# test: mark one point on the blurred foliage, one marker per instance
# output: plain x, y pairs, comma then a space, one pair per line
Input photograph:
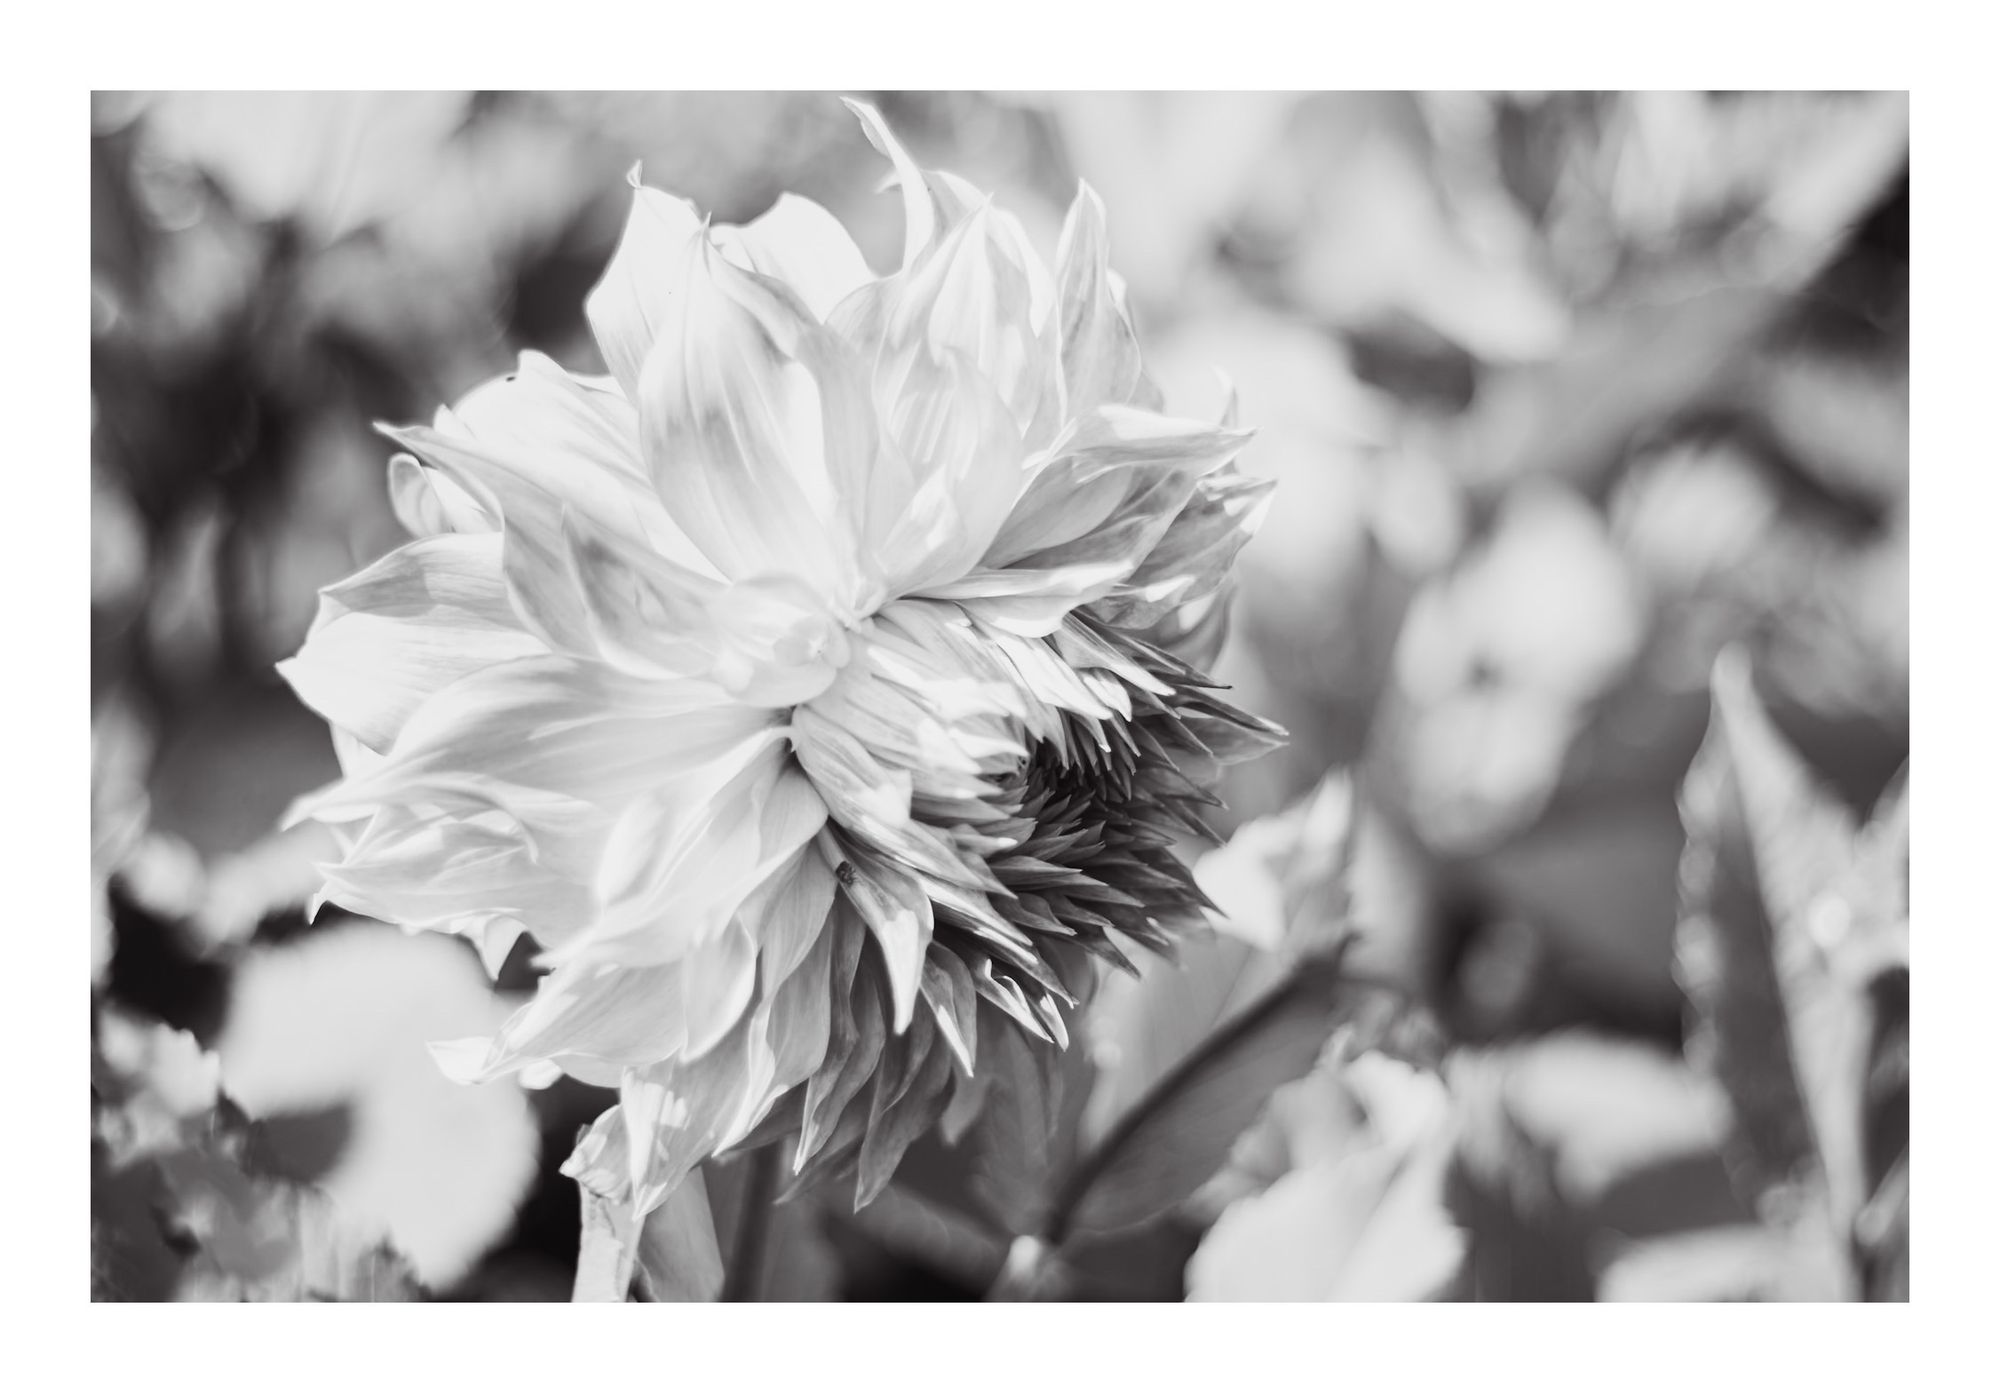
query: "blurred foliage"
1567, 394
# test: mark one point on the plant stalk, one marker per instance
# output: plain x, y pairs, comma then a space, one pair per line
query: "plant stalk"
743, 1278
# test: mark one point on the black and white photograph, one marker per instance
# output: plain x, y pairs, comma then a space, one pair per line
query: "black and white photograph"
885, 696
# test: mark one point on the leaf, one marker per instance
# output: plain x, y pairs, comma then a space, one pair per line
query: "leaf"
1767, 904
1169, 1142
1142, 1027
1282, 883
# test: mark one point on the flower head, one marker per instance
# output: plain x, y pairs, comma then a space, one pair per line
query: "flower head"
804, 687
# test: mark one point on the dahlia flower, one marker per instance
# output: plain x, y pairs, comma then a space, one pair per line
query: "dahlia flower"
807, 688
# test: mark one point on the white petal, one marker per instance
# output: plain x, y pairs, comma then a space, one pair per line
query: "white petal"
1091, 515
629, 305
800, 243
408, 626
1100, 350
683, 861
965, 453
1195, 553
554, 726
920, 211
974, 294
614, 1016
796, 1021
718, 979
897, 910
544, 453
788, 914
752, 422
1110, 446
427, 503
457, 869
680, 1112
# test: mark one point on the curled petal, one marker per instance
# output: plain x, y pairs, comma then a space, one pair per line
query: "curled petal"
427, 503
527, 477
1106, 458
930, 203
389, 638
474, 871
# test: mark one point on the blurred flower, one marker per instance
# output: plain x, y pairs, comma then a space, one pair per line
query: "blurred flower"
339, 1021
1499, 661
825, 618
1357, 1212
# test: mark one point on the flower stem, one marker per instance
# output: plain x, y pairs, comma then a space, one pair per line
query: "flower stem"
742, 1280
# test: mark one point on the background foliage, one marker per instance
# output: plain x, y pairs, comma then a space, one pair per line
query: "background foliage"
1567, 945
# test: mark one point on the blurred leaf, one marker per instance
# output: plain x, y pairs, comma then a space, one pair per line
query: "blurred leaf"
1178, 1134
1379, 237
1763, 842
1790, 919
1281, 887
1141, 1028
1576, 416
